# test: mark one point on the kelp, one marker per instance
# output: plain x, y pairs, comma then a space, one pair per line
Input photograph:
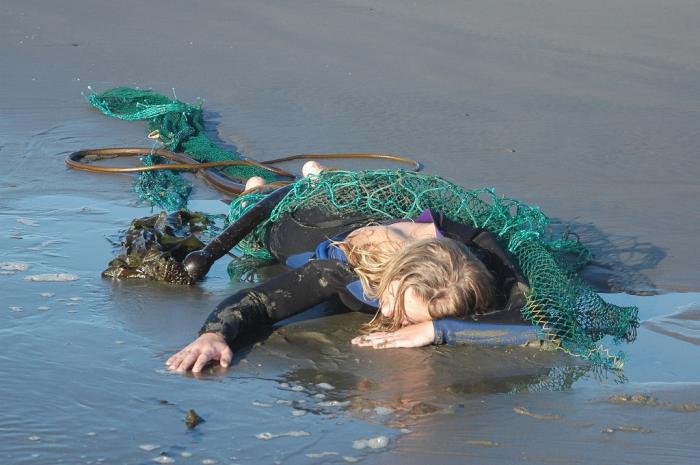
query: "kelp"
155, 246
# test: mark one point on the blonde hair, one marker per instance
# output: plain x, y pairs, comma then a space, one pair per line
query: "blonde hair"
441, 272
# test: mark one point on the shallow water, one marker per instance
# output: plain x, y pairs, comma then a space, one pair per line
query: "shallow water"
85, 381
588, 110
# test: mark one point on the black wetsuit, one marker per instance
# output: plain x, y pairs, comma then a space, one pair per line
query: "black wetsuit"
320, 280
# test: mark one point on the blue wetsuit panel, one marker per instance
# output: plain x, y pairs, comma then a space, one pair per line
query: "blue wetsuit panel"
454, 331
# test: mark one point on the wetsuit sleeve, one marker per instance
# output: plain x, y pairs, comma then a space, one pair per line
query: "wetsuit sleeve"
278, 298
454, 331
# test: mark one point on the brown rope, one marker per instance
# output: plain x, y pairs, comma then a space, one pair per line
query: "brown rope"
218, 181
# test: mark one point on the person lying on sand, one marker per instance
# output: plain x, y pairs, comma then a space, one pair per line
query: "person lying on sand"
428, 280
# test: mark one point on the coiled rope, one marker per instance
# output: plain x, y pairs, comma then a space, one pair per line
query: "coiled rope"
219, 182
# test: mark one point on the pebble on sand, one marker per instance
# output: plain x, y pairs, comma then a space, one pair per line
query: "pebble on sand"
192, 419
52, 277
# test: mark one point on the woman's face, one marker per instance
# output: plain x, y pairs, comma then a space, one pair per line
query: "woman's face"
416, 309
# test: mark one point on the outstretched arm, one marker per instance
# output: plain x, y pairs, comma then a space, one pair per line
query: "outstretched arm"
251, 309
450, 331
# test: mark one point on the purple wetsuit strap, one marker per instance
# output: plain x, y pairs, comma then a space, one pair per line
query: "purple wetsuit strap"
426, 216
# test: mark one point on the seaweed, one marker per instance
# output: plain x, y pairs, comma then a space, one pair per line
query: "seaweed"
155, 246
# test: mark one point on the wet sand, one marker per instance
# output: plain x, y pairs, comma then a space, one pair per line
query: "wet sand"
588, 111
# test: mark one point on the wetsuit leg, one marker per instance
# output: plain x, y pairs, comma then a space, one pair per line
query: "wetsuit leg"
278, 298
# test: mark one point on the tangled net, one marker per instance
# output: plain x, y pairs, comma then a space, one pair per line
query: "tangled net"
568, 313
179, 127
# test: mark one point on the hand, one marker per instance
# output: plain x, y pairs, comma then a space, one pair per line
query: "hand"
416, 335
207, 347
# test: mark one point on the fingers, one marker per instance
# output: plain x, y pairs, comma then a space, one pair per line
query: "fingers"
174, 361
226, 356
196, 355
185, 362
186, 359
366, 339
379, 340
200, 362
385, 343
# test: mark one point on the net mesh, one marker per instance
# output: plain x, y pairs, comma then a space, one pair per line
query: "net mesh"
177, 126
567, 312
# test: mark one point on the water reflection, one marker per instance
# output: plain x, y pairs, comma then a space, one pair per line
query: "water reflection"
683, 324
402, 388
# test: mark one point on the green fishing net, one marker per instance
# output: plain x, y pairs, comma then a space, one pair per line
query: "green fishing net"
567, 313
179, 127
